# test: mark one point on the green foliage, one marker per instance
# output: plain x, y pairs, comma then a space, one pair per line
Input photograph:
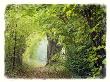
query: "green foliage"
79, 29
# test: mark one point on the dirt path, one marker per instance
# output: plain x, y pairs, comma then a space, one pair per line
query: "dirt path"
44, 73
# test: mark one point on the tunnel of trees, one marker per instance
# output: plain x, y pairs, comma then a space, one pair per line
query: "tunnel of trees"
74, 38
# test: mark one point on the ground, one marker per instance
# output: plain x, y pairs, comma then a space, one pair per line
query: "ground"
43, 73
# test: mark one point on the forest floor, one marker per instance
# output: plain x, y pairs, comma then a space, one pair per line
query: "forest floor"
43, 73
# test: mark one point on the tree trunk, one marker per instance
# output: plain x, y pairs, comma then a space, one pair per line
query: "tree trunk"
52, 48
14, 52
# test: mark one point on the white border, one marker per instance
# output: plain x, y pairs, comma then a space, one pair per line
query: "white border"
3, 4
